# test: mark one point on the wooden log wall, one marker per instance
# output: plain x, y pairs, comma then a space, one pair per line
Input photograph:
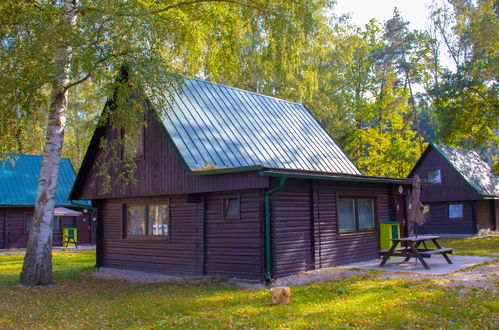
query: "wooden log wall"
179, 253
440, 223
234, 246
305, 225
485, 214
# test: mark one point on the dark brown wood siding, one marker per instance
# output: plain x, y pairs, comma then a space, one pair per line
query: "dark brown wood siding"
180, 253
496, 214
331, 248
161, 173
453, 186
485, 216
292, 227
14, 232
439, 222
2, 228
305, 225
234, 246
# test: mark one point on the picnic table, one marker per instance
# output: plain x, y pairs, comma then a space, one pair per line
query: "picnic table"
410, 247
70, 239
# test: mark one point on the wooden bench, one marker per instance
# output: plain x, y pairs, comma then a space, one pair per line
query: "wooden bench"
430, 252
382, 252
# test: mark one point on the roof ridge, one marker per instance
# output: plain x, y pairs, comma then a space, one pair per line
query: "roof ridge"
240, 89
31, 155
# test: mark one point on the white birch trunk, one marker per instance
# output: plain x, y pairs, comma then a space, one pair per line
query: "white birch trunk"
37, 267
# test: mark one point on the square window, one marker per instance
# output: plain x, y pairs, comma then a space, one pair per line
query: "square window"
356, 214
455, 211
231, 207
136, 220
158, 219
347, 213
147, 219
434, 176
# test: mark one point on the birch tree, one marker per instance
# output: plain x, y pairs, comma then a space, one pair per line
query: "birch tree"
56, 45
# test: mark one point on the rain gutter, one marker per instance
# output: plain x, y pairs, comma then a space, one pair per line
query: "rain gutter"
268, 248
335, 178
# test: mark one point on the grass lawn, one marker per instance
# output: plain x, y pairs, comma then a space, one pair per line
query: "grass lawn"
473, 246
356, 301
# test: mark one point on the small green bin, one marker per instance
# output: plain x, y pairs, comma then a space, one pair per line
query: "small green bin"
388, 231
70, 233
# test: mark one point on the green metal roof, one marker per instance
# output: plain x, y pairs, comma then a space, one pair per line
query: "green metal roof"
472, 168
216, 127
19, 181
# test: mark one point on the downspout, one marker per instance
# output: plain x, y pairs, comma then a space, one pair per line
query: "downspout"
268, 229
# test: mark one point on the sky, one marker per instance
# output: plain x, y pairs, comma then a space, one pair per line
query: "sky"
414, 11
361, 11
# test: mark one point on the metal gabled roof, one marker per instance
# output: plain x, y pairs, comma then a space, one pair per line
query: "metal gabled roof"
217, 127
19, 181
472, 168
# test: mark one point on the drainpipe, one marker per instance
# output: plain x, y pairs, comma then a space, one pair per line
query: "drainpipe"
268, 247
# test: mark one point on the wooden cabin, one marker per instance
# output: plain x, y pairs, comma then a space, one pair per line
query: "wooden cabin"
462, 196
18, 187
240, 184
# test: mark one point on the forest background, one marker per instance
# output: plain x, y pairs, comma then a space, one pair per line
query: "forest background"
380, 90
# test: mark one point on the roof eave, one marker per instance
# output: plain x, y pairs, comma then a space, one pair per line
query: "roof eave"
334, 177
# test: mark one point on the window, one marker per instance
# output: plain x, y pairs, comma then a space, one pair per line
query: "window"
366, 213
347, 214
158, 219
28, 221
434, 176
147, 220
136, 220
426, 212
231, 207
134, 149
455, 211
356, 214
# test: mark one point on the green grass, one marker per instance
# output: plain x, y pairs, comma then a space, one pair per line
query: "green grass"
473, 246
357, 301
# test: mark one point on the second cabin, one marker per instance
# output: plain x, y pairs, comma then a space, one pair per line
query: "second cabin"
236, 183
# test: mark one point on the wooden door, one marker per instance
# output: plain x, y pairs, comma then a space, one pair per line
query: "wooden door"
83, 224
401, 213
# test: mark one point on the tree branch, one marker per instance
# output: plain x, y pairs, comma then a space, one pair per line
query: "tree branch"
193, 2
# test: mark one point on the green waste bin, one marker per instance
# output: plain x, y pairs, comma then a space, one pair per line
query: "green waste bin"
70, 234
388, 231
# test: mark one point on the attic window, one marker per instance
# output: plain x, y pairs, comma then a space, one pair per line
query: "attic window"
135, 149
434, 176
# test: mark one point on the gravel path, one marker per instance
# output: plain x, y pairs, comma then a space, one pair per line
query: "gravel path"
486, 276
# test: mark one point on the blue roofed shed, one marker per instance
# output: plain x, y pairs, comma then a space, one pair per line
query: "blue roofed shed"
18, 188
